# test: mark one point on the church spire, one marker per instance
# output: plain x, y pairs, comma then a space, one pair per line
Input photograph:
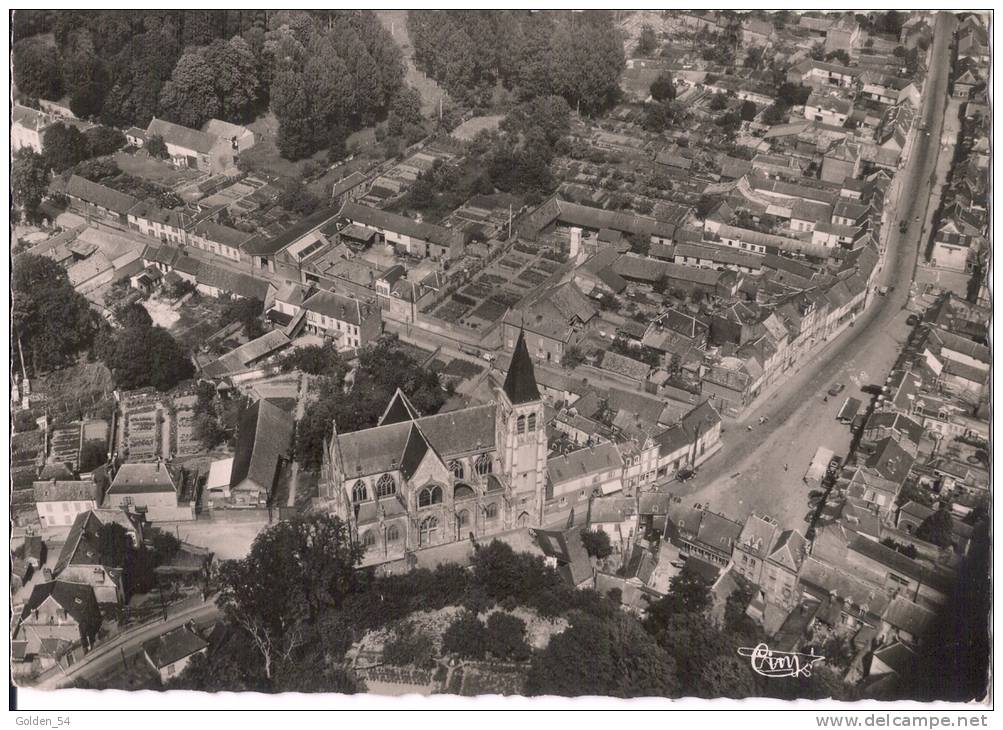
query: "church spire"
520, 382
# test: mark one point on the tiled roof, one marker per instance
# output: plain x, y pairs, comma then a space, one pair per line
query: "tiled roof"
174, 645
264, 436
177, 135
377, 218
583, 462
520, 382
141, 479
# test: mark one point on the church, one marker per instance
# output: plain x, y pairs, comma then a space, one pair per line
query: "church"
416, 481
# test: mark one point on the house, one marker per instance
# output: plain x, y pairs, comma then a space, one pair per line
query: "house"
151, 220
564, 550
58, 624
350, 187
350, 322
828, 109
240, 138
702, 534
27, 128
191, 148
148, 489
905, 621
93, 200
264, 443
552, 323
60, 501
81, 560
616, 516
135, 137
408, 236
217, 239
897, 574
170, 652
573, 478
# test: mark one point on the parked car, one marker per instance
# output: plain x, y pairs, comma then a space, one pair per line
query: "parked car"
912, 320
903, 226
836, 389
685, 474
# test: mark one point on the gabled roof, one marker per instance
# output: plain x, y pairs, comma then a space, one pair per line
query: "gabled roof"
100, 195
174, 645
82, 545
415, 449
264, 437
175, 134
789, 550
399, 410
141, 479
520, 382
584, 462
77, 599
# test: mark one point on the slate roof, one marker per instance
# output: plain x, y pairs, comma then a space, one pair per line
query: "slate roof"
584, 462
789, 550
173, 646
101, 195
264, 436
891, 461
520, 382
77, 599
185, 137
81, 546
380, 449
221, 234
336, 306
66, 491
377, 218
399, 410
757, 535
567, 548
908, 616
141, 479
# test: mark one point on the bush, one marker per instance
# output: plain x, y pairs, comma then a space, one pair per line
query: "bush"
597, 544
466, 636
24, 421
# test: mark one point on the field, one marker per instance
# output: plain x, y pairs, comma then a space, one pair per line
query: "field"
73, 393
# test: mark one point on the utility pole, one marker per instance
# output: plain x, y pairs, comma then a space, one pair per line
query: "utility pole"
510, 221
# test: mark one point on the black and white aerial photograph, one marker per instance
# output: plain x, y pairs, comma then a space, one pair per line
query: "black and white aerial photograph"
492, 358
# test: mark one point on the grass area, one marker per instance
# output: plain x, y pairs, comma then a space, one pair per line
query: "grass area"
74, 392
265, 155
470, 128
131, 673
143, 166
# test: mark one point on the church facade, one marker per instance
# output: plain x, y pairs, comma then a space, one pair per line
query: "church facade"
414, 481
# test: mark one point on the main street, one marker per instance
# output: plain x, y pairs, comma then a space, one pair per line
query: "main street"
749, 474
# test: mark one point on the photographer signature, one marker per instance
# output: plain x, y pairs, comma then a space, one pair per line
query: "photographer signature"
769, 663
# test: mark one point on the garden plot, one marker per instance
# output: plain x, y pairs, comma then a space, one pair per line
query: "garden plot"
185, 443
142, 433
65, 445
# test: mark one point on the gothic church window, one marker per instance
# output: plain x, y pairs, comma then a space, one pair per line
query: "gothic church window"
462, 518
457, 468
521, 424
483, 465
359, 493
368, 539
491, 512
531, 422
393, 533
386, 487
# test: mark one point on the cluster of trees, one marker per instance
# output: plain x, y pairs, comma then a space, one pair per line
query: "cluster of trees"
514, 159
329, 74
575, 55
324, 73
383, 367
51, 324
502, 636
141, 354
137, 562
216, 416
788, 95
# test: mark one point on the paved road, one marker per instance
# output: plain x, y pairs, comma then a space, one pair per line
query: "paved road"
105, 656
749, 475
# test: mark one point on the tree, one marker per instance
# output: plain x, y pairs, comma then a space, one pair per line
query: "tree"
29, 182
294, 570
506, 637
50, 322
705, 205
92, 455
663, 88
839, 55
36, 67
247, 311
408, 646
466, 636
189, 97
165, 546
937, 528
207, 430
156, 147
658, 116
405, 109
64, 146
718, 102
133, 314
688, 593
316, 360
648, 41
297, 199
141, 356
747, 111
573, 357
611, 657
103, 140
596, 543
